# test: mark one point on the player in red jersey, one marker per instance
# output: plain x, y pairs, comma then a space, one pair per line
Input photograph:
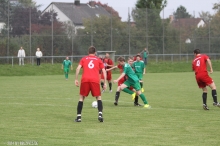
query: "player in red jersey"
108, 63
90, 81
203, 79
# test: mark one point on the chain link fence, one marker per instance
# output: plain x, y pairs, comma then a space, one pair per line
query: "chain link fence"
167, 36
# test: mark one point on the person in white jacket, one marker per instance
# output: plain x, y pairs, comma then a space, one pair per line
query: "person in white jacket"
21, 55
38, 55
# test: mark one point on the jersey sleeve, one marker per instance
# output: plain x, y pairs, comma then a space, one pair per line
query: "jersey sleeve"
101, 64
125, 68
81, 62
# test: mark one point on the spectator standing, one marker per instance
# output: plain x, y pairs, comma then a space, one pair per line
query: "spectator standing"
38, 55
21, 55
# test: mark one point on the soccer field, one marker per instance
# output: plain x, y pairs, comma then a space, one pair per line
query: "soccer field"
41, 110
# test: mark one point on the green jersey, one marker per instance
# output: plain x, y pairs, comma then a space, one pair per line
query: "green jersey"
67, 64
132, 77
138, 66
145, 54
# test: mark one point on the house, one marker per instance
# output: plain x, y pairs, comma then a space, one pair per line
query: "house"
187, 25
2, 25
75, 12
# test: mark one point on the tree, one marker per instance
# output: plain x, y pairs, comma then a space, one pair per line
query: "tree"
206, 16
181, 12
151, 4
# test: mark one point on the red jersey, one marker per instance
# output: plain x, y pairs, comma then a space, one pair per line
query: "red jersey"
199, 64
107, 61
120, 67
136, 59
91, 66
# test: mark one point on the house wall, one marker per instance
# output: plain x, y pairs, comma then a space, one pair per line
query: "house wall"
201, 24
2, 24
60, 15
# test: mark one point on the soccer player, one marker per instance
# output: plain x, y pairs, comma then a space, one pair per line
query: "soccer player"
139, 68
66, 65
203, 79
108, 63
145, 55
90, 81
131, 81
121, 81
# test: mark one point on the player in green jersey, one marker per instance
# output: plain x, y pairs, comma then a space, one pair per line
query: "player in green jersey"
145, 55
131, 81
66, 66
139, 69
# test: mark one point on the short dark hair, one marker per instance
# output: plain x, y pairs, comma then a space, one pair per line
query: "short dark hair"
92, 50
121, 59
196, 51
138, 55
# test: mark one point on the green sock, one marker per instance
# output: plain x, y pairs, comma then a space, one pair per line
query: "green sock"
66, 75
143, 98
126, 90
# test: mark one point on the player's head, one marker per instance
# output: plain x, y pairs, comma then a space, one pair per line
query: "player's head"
196, 51
138, 57
21, 48
121, 60
67, 58
106, 55
92, 50
130, 60
38, 49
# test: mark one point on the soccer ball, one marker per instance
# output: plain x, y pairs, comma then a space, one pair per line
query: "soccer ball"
94, 104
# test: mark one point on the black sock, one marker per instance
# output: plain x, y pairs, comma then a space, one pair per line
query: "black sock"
141, 85
204, 97
136, 99
79, 109
214, 96
102, 84
117, 95
110, 86
100, 107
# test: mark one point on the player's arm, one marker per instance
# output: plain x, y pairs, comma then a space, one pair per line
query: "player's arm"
105, 76
77, 74
111, 68
210, 65
121, 76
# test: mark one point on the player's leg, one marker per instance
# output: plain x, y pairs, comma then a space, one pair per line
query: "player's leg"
117, 95
109, 78
95, 90
204, 98
214, 94
124, 88
138, 89
22, 60
84, 92
67, 73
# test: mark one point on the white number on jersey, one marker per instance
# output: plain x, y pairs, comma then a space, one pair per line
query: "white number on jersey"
91, 65
198, 63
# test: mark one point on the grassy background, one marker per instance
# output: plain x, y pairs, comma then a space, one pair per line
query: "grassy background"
55, 69
42, 109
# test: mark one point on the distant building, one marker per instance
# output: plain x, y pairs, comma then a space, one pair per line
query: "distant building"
187, 25
75, 12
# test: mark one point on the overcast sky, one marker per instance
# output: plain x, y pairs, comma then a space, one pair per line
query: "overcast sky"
192, 6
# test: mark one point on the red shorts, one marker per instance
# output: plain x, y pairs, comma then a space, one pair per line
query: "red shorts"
109, 76
121, 81
203, 80
86, 87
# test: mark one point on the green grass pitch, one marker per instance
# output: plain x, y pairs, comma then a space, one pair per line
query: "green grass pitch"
41, 109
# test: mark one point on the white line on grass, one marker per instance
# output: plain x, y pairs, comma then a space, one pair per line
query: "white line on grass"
24, 104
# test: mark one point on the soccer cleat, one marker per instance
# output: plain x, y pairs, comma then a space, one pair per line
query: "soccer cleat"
133, 95
103, 91
110, 90
77, 120
142, 89
115, 103
147, 106
205, 107
100, 118
216, 104
137, 104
